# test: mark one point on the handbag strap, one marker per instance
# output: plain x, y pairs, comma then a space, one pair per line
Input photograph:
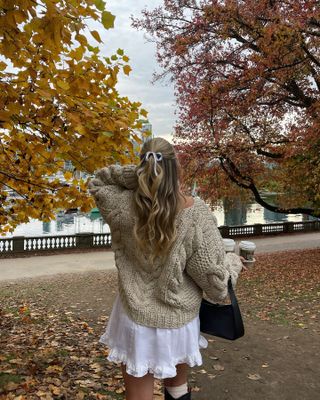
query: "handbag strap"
237, 314
231, 292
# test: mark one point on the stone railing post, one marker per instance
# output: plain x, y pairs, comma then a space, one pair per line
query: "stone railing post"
288, 227
84, 240
257, 229
224, 230
18, 244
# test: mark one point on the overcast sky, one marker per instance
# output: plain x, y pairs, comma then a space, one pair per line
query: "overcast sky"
157, 99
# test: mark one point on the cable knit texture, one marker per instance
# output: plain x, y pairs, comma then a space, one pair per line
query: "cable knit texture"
169, 294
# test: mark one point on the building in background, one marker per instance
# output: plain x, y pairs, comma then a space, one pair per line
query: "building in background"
146, 127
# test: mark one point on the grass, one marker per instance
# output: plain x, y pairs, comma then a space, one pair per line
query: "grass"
6, 378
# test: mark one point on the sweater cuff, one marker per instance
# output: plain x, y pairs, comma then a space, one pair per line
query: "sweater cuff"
234, 266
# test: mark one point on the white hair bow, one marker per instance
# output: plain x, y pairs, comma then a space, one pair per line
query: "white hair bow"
156, 156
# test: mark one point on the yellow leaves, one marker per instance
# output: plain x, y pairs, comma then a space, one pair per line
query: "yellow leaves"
10, 20
3, 65
60, 105
74, 118
57, 32
107, 134
108, 19
19, 16
121, 124
127, 69
83, 185
81, 39
95, 50
45, 93
77, 53
100, 4
45, 121
68, 175
5, 116
63, 85
137, 139
37, 38
96, 35
111, 82
100, 140
81, 129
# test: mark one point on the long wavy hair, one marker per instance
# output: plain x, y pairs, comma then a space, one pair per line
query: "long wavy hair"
156, 199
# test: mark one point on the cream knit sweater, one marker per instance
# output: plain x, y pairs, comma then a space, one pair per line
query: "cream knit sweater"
165, 295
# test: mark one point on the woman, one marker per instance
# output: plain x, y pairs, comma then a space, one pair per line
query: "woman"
168, 251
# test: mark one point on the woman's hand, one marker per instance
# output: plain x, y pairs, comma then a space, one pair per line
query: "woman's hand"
243, 260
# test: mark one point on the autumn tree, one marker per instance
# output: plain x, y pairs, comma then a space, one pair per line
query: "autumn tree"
247, 82
58, 102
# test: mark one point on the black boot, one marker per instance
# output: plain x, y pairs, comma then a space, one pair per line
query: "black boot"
186, 396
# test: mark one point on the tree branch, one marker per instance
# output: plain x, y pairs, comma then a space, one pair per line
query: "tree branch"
311, 56
25, 181
251, 186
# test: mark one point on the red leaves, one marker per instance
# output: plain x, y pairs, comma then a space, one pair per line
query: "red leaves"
243, 72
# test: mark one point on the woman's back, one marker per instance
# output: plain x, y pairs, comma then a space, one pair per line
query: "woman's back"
168, 251
168, 294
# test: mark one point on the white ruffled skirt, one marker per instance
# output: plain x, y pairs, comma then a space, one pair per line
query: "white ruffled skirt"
155, 350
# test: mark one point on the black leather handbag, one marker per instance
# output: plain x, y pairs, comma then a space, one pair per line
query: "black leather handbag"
222, 320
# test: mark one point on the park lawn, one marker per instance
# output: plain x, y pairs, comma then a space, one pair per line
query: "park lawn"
50, 326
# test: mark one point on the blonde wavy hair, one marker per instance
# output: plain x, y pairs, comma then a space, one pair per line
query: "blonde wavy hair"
156, 199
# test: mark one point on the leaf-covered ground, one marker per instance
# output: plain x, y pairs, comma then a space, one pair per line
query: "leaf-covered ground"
50, 327
284, 288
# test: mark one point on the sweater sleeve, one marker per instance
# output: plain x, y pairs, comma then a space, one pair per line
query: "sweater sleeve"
108, 185
120, 175
209, 266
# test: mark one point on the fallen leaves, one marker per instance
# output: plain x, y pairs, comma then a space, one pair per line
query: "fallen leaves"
202, 371
47, 356
56, 355
254, 377
218, 367
52, 352
283, 288
54, 369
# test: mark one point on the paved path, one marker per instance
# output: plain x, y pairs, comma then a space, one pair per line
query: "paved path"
295, 241
29, 267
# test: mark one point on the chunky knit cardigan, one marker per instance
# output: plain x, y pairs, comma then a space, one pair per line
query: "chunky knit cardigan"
168, 294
